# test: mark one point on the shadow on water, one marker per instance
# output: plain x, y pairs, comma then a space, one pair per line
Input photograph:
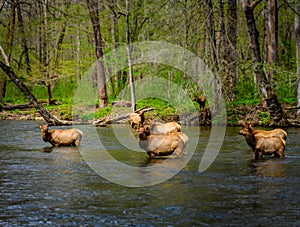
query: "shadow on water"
60, 149
269, 167
42, 185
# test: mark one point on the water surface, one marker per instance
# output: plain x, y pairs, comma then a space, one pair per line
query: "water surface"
44, 186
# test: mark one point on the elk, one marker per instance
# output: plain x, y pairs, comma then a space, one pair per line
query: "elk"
164, 128
200, 100
261, 143
275, 132
161, 144
58, 137
136, 119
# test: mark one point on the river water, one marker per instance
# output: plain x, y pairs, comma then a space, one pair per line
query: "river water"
44, 186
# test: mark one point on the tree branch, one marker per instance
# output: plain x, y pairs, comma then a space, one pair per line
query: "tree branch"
254, 4
4, 56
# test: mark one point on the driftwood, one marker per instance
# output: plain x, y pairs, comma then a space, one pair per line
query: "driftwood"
294, 122
17, 107
110, 120
292, 108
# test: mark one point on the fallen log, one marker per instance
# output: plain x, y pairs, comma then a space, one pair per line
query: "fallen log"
17, 107
48, 117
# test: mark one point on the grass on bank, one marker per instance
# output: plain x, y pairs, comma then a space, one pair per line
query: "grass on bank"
64, 94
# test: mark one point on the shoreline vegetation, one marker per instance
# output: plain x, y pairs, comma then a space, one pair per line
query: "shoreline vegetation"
106, 116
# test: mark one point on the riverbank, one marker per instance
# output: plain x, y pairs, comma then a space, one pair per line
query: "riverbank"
235, 113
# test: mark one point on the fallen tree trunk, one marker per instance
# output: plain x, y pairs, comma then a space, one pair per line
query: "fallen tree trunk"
22, 106
17, 107
49, 118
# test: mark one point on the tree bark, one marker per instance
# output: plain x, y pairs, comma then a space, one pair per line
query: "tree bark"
264, 83
24, 39
101, 81
272, 33
115, 37
212, 34
297, 33
9, 45
230, 57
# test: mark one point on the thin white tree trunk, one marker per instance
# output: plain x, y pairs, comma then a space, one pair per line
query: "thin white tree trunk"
132, 91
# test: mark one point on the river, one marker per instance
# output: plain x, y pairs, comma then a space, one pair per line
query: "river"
44, 186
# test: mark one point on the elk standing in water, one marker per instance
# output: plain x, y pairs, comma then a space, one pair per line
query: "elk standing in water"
58, 137
264, 142
163, 128
161, 144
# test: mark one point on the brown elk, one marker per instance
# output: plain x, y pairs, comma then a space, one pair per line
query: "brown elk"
58, 137
261, 143
164, 128
136, 120
275, 132
200, 100
161, 144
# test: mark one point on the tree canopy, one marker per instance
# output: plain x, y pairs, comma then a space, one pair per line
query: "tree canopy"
50, 44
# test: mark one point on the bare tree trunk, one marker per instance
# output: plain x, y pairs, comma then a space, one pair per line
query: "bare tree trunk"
62, 33
9, 45
114, 35
24, 39
132, 91
78, 51
44, 47
271, 37
212, 34
297, 33
230, 63
101, 81
222, 50
59, 43
222, 35
265, 86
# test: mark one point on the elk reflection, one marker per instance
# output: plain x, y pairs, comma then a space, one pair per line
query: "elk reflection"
62, 150
271, 167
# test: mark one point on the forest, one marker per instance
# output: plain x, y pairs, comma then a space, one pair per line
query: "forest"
253, 46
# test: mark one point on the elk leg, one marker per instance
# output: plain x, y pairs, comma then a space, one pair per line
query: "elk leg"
76, 143
280, 153
151, 154
179, 150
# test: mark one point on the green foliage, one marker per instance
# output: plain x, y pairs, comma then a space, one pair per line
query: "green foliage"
243, 102
103, 112
148, 21
89, 116
264, 118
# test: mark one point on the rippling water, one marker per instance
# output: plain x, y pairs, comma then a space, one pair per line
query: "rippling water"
44, 186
